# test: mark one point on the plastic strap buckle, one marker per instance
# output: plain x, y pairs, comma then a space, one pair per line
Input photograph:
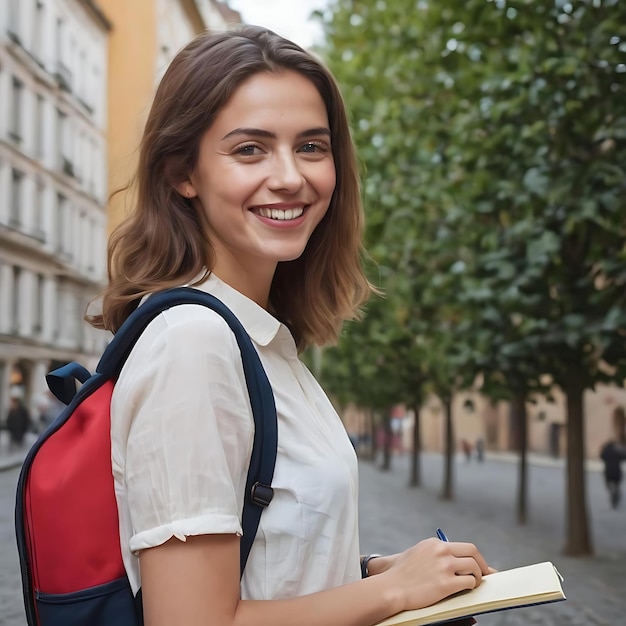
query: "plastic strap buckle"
261, 494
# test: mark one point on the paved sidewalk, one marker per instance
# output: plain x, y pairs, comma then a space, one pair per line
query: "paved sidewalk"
394, 516
592, 465
10, 459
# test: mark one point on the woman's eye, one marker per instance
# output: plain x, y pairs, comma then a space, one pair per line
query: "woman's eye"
249, 149
314, 146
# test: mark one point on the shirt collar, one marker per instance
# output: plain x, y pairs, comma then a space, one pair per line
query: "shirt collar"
259, 324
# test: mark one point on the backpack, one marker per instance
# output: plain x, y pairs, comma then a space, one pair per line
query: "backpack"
66, 518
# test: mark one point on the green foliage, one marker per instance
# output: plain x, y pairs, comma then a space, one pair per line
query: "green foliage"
538, 139
493, 139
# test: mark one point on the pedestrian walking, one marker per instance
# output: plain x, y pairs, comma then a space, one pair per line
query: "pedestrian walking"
613, 452
466, 447
612, 455
18, 419
247, 188
480, 449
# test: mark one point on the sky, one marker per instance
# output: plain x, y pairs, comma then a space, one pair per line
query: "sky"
289, 18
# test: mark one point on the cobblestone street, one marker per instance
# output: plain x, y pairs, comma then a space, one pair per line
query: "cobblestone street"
394, 516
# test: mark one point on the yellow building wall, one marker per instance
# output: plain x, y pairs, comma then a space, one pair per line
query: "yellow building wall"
132, 67
476, 417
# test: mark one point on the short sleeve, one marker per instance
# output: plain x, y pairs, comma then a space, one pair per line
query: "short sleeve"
181, 406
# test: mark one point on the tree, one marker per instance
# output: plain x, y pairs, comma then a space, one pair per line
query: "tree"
496, 131
372, 365
537, 145
371, 65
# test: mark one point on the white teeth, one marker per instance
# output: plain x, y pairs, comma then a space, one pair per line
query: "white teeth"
280, 214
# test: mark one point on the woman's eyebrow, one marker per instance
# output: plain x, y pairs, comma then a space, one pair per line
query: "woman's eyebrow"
314, 132
259, 132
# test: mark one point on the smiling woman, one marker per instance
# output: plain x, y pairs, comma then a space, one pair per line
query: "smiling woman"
265, 177
159, 247
247, 188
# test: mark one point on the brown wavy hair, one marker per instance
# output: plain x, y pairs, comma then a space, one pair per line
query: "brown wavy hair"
166, 240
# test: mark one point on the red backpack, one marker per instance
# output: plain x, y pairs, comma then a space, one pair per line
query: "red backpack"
66, 519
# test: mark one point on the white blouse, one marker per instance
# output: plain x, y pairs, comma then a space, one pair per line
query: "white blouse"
181, 439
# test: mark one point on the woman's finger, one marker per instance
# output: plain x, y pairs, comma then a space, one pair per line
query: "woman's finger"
467, 566
461, 549
463, 583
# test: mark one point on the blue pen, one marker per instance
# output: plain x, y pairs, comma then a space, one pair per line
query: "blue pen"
441, 535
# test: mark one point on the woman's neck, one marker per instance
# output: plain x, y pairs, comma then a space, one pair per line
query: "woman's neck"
252, 284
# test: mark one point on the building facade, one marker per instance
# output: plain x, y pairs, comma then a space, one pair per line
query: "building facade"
76, 81
475, 418
53, 186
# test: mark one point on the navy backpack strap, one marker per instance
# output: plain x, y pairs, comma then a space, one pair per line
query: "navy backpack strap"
261, 471
62, 381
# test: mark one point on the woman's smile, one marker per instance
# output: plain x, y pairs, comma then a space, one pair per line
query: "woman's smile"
280, 211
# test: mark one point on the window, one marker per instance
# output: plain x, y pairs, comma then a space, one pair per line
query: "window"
92, 245
81, 157
15, 210
93, 166
39, 126
81, 76
95, 94
15, 312
60, 31
14, 19
61, 221
58, 134
38, 211
63, 141
38, 30
17, 101
63, 72
63, 226
58, 311
39, 297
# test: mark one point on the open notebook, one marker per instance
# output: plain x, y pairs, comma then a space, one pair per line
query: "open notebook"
508, 589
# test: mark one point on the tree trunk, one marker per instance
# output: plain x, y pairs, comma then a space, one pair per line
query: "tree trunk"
447, 491
416, 478
387, 442
371, 430
520, 417
577, 540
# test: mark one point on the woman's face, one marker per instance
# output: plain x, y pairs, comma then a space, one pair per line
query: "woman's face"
265, 175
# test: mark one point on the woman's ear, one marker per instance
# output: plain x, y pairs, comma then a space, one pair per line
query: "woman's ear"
178, 177
186, 189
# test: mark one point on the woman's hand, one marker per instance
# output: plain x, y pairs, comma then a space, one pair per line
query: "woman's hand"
430, 571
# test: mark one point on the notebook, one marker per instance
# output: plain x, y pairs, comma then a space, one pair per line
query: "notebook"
522, 586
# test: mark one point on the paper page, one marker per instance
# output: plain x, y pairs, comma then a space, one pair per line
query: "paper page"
523, 585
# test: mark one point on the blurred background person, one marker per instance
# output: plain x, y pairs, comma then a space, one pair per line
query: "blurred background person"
612, 454
18, 421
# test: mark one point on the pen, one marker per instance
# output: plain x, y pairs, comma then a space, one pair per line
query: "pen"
441, 535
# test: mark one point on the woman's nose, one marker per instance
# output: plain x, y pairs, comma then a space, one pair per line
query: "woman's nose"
285, 174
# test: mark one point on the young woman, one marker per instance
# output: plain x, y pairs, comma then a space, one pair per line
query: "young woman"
247, 188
